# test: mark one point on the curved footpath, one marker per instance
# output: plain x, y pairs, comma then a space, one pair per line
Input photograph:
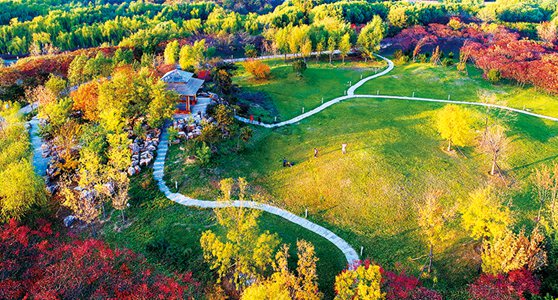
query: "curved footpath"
159, 164
351, 95
350, 253
158, 173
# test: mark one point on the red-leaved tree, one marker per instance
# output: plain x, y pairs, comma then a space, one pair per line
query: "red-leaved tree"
37, 264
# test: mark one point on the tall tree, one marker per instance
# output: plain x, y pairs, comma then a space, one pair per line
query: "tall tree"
345, 46
363, 282
331, 46
171, 52
455, 124
495, 143
433, 218
510, 251
485, 216
370, 37
242, 254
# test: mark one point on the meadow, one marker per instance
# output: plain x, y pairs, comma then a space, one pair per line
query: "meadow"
285, 93
370, 195
168, 235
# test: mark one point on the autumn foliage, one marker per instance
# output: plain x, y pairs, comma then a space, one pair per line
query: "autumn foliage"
38, 264
85, 100
393, 286
258, 69
514, 285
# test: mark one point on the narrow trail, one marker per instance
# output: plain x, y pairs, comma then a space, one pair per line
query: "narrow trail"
158, 173
351, 95
350, 254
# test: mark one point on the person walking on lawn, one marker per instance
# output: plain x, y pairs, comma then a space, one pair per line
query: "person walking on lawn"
315, 152
344, 148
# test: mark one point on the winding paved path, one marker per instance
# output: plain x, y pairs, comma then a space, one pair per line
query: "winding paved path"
350, 253
158, 173
351, 95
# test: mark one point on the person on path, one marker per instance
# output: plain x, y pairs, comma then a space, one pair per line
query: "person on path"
251, 119
315, 152
260, 120
344, 148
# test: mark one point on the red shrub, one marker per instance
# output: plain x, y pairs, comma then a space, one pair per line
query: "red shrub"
514, 285
34, 265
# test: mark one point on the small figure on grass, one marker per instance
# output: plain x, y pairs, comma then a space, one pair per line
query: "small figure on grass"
315, 152
344, 148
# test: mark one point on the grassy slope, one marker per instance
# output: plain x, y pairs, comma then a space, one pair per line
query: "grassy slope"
439, 82
155, 219
369, 196
290, 93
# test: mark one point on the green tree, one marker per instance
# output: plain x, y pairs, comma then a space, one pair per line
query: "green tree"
299, 66
192, 56
331, 46
55, 84
75, 70
370, 37
162, 104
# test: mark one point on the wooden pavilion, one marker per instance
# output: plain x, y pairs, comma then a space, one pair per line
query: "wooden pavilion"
186, 86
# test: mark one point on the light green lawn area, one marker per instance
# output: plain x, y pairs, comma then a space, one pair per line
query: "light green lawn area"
370, 196
168, 234
429, 81
287, 93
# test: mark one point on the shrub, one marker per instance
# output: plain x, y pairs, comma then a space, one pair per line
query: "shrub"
203, 153
37, 265
299, 66
258, 69
446, 62
423, 58
514, 285
493, 75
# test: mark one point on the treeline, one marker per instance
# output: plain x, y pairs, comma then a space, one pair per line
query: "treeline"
145, 25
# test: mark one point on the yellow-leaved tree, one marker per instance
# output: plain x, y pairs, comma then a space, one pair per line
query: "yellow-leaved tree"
456, 125
362, 283
511, 251
20, 188
485, 216
432, 219
242, 254
284, 284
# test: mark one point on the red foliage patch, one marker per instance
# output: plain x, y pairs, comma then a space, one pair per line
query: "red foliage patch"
514, 285
34, 265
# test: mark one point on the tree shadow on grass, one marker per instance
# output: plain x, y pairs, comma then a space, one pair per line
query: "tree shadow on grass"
534, 128
536, 163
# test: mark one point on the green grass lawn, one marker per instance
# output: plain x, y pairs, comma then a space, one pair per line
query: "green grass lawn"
286, 93
168, 234
369, 196
429, 81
